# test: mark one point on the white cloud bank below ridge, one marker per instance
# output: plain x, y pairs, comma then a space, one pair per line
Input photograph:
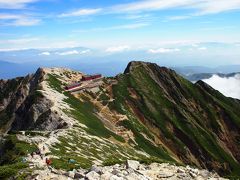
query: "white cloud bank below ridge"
163, 50
229, 87
72, 52
117, 49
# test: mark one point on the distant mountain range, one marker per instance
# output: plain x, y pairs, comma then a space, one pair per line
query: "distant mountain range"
107, 68
188, 71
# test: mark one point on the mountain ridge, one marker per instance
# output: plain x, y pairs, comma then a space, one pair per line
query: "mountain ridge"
147, 113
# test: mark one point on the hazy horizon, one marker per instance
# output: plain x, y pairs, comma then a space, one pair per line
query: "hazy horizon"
171, 33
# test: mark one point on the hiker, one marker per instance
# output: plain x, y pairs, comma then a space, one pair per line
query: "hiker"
32, 154
71, 161
24, 160
43, 148
41, 155
38, 152
48, 161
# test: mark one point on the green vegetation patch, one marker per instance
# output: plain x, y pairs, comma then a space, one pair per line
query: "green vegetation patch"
54, 83
13, 152
146, 145
7, 171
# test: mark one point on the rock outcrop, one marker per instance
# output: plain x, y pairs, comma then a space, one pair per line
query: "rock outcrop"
126, 171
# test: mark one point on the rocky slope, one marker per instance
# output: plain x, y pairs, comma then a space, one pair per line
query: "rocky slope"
148, 113
131, 170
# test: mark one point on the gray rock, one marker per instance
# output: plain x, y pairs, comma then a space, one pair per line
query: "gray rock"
165, 175
192, 174
79, 175
125, 173
96, 169
106, 176
114, 177
116, 166
142, 167
115, 172
204, 173
195, 171
71, 174
180, 170
132, 164
92, 175
134, 176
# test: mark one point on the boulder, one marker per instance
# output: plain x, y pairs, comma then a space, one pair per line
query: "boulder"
180, 170
106, 176
142, 167
195, 171
114, 177
192, 174
165, 175
134, 176
132, 164
71, 174
116, 166
79, 175
96, 169
204, 173
92, 175
115, 171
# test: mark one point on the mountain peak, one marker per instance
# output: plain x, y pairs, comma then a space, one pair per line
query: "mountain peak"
134, 64
148, 113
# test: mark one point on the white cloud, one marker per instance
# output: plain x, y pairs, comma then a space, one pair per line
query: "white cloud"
202, 48
73, 52
26, 22
117, 49
137, 16
45, 54
18, 20
149, 5
125, 26
213, 7
85, 51
178, 18
15, 4
229, 87
194, 45
9, 16
163, 50
18, 41
81, 12
201, 7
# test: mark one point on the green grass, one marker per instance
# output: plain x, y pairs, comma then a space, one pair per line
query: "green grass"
8, 171
54, 83
13, 151
84, 112
145, 144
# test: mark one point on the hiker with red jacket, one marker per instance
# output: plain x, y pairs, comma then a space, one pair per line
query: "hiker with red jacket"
48, 162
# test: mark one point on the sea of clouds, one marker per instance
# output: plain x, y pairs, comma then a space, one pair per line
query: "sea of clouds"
228, 86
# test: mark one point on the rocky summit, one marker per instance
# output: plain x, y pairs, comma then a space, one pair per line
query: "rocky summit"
147, 123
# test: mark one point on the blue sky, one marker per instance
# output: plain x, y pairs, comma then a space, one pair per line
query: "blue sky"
182, 32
